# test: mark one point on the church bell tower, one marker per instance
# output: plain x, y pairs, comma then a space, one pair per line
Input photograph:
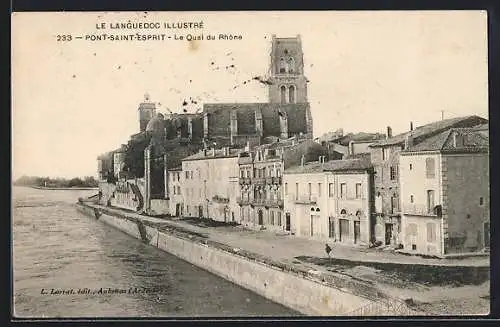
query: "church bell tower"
288, 83
147, 110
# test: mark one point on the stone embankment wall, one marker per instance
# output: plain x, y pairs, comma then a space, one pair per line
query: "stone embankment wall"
288, 285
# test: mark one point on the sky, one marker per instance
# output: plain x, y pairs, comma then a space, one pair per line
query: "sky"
73, 100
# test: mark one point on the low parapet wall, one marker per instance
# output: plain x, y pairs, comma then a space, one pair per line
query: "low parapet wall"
288, 285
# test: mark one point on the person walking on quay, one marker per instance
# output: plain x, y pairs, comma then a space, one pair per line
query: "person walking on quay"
328, 250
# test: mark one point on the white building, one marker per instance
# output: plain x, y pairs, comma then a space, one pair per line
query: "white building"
330, 200
444, 185
210, 186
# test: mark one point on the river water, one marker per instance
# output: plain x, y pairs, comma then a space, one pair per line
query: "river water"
56, 247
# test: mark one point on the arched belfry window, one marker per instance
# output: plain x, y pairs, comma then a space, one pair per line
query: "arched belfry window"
291, 94
291, 65
283, 94
282, 65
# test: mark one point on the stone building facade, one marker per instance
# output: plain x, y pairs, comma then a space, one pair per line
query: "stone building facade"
330, 200
260, 179
445, 194
175, 179
165, 139
385, 159
210, 184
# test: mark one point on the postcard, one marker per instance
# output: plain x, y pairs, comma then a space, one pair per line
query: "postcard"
250, 164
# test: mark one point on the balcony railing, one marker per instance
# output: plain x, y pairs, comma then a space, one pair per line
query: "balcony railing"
241, 200
306, 199
421, 209
261, 202
245, 180
220, 199
260, 180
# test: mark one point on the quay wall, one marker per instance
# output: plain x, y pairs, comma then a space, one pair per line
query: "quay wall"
297, 291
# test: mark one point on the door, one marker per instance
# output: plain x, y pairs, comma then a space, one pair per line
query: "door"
357, 231
261, 217
344, 230
287, 221
331, 227
315, 228
178, 210
388, 234
486, 235
200, 211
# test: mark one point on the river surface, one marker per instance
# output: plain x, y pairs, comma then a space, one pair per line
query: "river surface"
56, 247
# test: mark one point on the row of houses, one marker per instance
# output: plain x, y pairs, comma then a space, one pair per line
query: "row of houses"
256, 164
425, 191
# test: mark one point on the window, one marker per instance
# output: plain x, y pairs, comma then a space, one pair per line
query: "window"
343, 212
331, 229
343, 190
385, 153
411, 167
291, 94
291, 65
309, 189
242, 173
331, 190
282, 65
174, 189
430, 200
319, 189
431, 232
393, 173
272, 217
178, 190
283, 94
394, 203
254, 172
481, 201
358, 190
279, 218
296, 191
430, 169
187, 174
411, 198
191, 174
286, 188
178, 177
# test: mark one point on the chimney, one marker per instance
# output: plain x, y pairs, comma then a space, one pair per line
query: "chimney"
411, 126
302, 159
389, 132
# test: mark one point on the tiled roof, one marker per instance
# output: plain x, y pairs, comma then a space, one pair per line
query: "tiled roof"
219, 153
455, 139
482, 127
332, 165
432, 129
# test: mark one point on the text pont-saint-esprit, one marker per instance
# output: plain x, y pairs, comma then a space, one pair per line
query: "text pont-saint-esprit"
149, 25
